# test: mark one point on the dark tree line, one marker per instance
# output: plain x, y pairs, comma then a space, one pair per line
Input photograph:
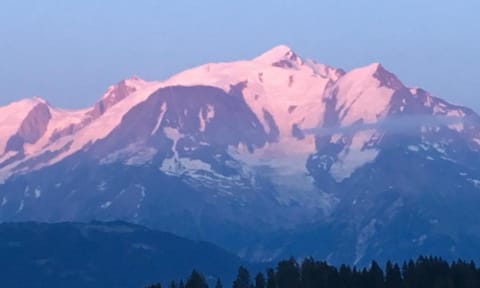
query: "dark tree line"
425, 272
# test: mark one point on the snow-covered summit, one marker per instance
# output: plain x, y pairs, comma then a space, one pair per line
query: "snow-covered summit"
117, 92
287, 94
13, 115
278, 54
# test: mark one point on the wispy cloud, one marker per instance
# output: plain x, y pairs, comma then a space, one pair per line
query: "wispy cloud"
401, 124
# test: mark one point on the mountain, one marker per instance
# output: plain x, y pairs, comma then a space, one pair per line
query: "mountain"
268, 157
99, 254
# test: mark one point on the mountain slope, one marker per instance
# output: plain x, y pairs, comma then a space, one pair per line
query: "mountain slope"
237, 152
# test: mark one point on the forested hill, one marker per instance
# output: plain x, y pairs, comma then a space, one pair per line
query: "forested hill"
102, 255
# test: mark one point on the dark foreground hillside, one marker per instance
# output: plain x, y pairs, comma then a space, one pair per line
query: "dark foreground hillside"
103, 255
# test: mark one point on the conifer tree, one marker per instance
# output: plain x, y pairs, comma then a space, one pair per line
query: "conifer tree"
259, 281
218, 284
288, 274
196, 280
375, 275
243, 279
393, 276
271, 281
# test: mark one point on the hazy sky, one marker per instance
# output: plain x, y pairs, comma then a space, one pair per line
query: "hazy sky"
69, 52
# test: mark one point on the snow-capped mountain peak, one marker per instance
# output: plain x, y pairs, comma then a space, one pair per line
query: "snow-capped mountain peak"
14, 115
39, 99
377, 71
280, 56
123, 88
286, 93
364, 93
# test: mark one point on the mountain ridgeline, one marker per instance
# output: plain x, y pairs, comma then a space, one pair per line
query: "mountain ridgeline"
268, 158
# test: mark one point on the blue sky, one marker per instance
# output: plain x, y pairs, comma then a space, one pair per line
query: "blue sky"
69, 52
